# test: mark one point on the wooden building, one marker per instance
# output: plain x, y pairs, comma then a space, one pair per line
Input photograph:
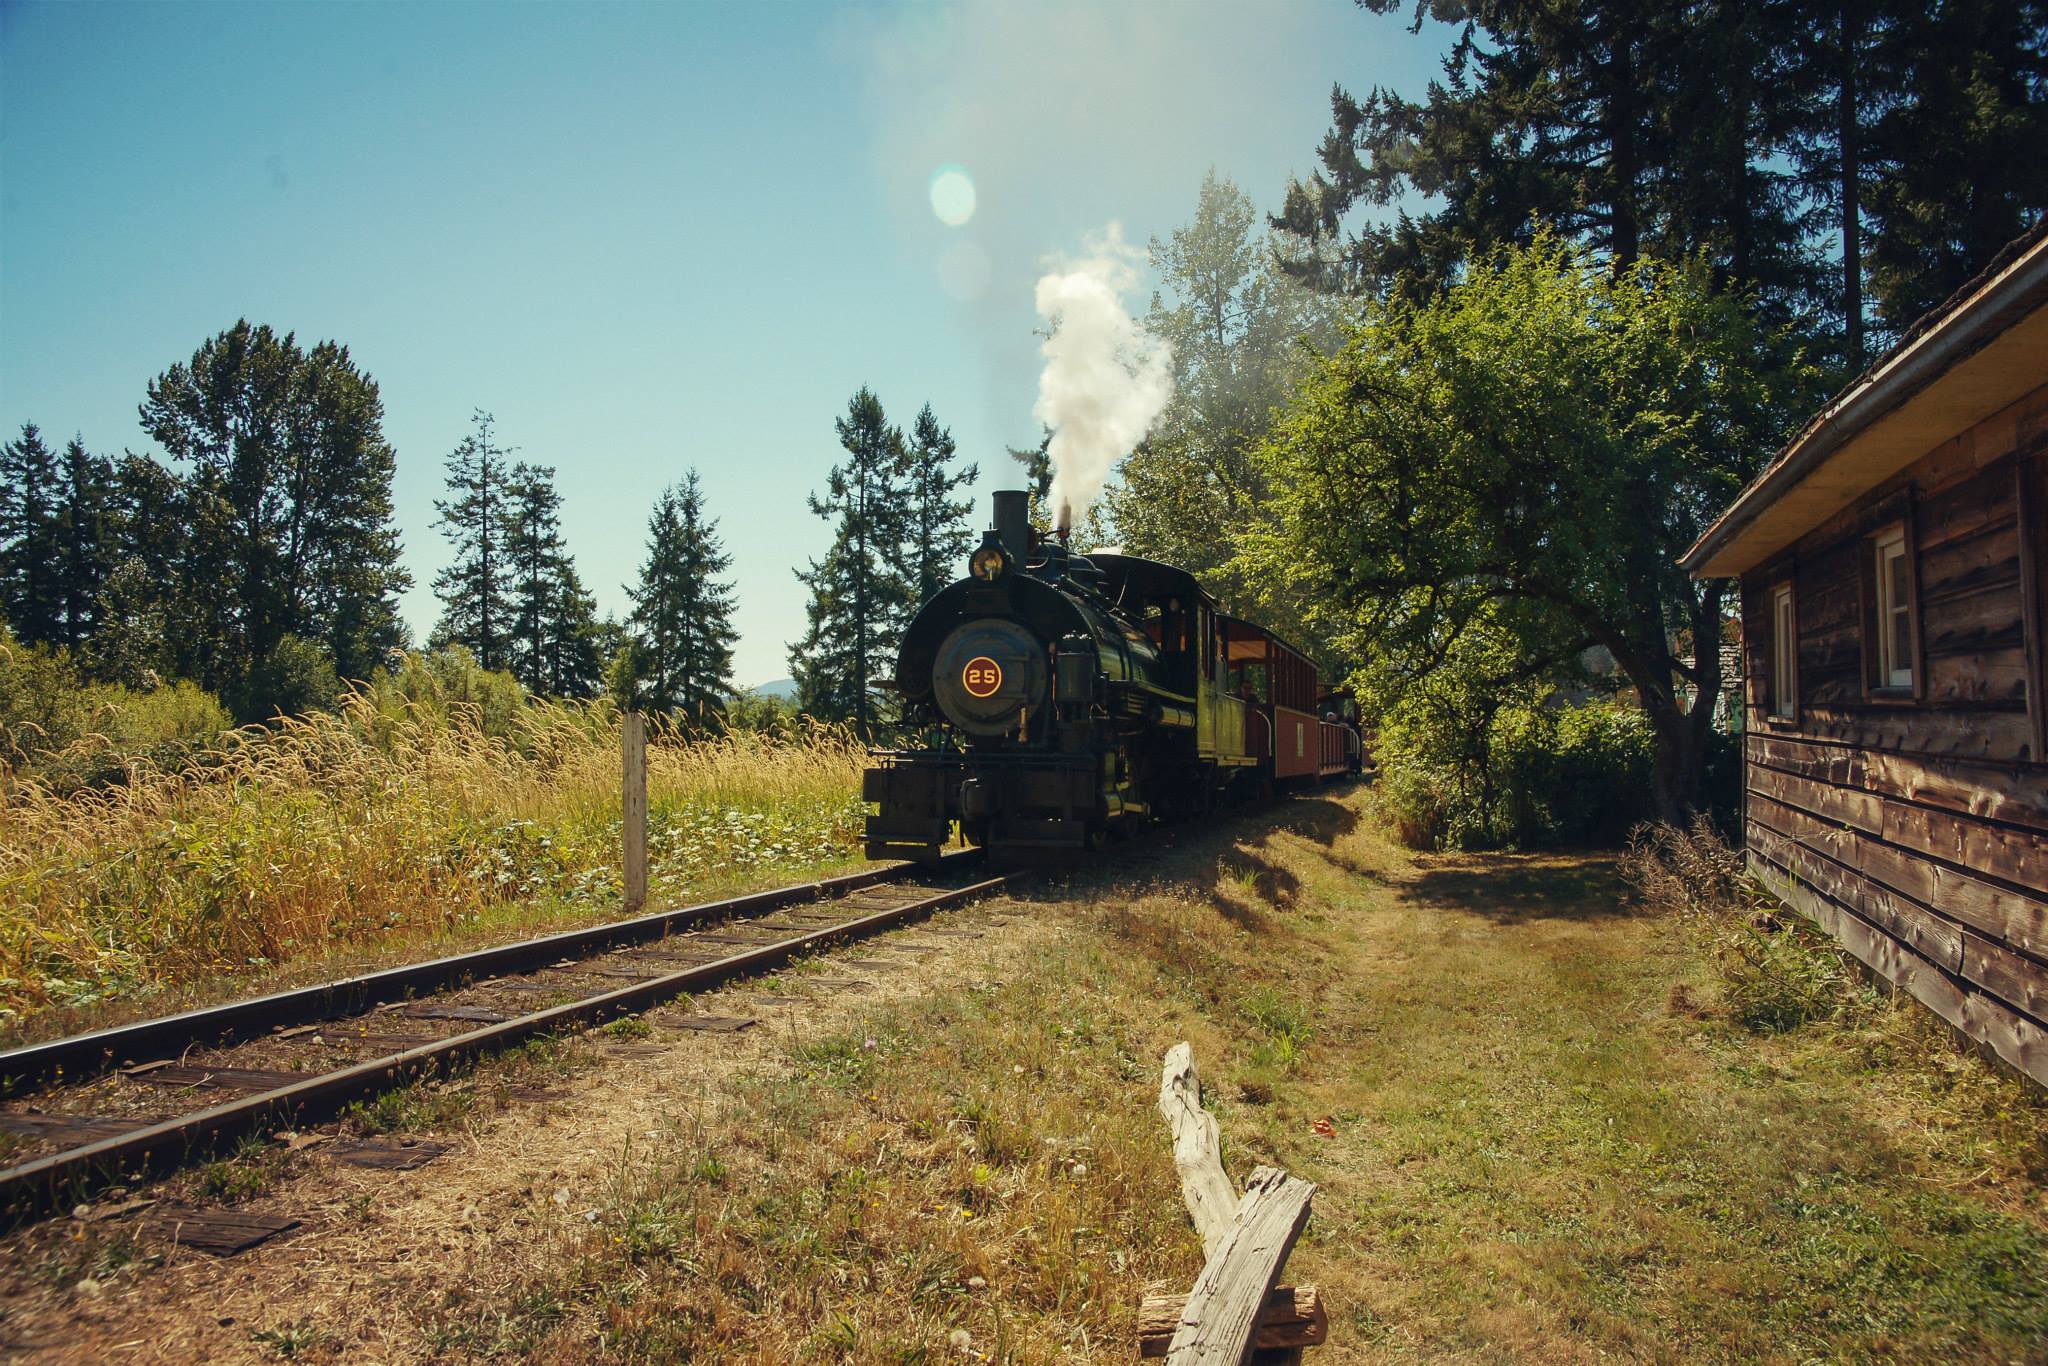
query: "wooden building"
1894, 570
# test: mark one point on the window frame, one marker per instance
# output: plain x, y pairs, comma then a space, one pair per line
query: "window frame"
1893, 527
1781, 697
1893, 673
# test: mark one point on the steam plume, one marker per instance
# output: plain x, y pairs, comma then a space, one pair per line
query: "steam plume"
1106, 379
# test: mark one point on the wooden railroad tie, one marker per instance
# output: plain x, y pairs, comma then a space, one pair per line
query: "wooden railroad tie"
1236, 1312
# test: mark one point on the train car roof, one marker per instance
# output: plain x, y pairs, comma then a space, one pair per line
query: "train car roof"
1237, 624
1147, 578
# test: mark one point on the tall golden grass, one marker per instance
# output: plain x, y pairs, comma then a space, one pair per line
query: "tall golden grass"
337, 827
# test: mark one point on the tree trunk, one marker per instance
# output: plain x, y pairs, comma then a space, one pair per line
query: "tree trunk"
1850, 132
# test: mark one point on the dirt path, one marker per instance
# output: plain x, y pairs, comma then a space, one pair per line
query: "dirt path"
1546, 1146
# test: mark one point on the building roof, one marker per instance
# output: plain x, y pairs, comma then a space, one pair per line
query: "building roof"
1984, 348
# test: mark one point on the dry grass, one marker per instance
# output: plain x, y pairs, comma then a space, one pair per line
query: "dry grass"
1547, 1141
339, 828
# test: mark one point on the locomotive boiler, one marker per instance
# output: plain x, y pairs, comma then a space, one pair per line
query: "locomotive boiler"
1066, 697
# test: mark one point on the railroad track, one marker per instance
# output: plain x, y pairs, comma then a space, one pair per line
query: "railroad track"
86, 1105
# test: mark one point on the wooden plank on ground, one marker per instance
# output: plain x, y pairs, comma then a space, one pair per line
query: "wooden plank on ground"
224, 1078
386, 1154
1293, 1318
1222, 1311
220, 1232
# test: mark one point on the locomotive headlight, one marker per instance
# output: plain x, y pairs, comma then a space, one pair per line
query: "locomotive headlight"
987, 564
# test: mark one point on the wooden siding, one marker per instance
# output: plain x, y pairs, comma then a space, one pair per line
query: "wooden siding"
1914, 826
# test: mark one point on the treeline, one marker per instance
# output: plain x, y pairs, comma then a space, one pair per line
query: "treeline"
261, 563
260, 560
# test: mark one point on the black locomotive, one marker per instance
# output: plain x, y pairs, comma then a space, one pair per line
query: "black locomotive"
1068, 696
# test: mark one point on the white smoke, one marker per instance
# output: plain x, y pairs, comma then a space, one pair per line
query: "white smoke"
1106, 379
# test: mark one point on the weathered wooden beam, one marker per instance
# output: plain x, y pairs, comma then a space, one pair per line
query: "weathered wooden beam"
1197, 1149
1222, 1312
1293, 1317
633, 809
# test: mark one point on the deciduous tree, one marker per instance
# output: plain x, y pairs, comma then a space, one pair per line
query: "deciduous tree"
1534, 448
287, 506
1240, 331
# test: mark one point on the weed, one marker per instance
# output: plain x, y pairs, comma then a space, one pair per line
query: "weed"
407, 1109
626, 1027
1777, 972
287, 1340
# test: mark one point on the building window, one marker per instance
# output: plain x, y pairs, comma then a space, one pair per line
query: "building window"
1894, 610
1784, 654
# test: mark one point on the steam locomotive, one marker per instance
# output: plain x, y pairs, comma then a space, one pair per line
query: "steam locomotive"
1068, 697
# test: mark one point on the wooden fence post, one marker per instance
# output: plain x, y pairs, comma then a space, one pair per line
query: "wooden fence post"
633, 805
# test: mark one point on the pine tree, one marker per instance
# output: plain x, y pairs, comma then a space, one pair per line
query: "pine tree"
573, 637
30, 538
286, 510
531, 535
475, 589
82, 529
939, 532
1955, 163
682, 611
1637, 130
858, 593
147, 620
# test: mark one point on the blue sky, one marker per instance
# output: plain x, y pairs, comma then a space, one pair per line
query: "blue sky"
645, 237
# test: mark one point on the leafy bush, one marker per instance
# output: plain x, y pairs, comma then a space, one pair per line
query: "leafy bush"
67, 733
297, 677
1468, 761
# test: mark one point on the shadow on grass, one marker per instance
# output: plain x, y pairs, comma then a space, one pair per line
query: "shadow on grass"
1317, 818
1510, 889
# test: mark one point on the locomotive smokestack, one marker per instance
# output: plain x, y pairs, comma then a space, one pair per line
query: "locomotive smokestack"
1065, 525
1013, 523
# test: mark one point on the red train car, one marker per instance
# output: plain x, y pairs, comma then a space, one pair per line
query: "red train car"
1301, 731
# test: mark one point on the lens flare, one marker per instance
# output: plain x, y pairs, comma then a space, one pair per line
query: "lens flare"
952, 195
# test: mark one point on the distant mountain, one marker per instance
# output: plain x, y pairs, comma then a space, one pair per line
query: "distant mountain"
784, 688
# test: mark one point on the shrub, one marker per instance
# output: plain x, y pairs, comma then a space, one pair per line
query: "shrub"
1518, 770
68, 734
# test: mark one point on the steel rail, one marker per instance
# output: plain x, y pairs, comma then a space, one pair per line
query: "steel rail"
80, 1056
42, 1185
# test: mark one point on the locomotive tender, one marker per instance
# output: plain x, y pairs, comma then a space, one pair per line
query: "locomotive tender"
1070, 696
